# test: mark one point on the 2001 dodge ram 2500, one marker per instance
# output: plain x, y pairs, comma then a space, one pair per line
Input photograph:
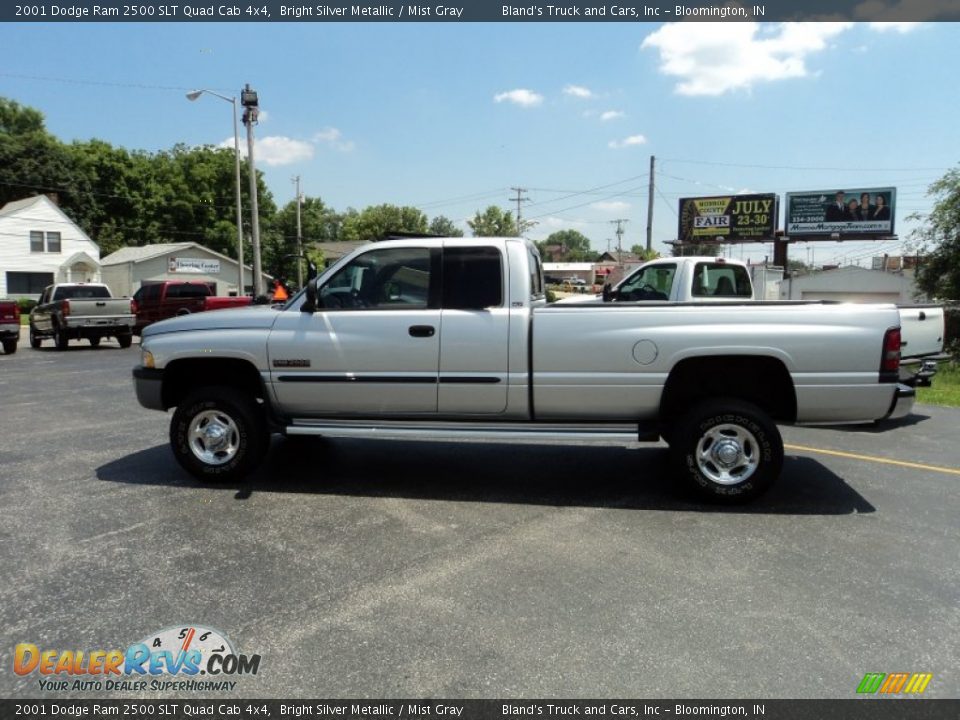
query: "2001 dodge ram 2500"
452, 338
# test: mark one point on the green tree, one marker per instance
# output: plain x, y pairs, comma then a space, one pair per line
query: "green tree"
493, 222
576, 243
444, 227
641, 252
32, 161
938, 240
379, 221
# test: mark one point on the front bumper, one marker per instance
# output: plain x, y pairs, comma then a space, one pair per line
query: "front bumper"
148, 383
902, 404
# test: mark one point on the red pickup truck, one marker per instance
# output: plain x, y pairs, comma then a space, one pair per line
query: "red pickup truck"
170, 298
9, 325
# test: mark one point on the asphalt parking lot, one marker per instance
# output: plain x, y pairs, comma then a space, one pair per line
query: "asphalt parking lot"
410, 569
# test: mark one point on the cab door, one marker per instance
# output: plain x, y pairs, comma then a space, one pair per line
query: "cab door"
475, 330
371, 348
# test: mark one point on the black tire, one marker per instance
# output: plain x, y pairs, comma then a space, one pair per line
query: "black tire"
95, 342
727, 450
61, 339
125, 339
237, 418
9, 346
34, 339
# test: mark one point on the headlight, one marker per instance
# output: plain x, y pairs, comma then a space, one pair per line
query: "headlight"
146, 358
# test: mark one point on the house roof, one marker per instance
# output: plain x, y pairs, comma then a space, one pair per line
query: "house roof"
14, 205
146, 252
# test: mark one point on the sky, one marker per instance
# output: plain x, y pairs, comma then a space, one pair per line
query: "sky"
449, 117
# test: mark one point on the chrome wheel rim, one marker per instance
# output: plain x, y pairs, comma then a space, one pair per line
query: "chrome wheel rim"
728, 454
214, 437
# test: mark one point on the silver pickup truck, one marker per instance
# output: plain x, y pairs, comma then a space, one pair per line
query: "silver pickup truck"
69, 311
452, 338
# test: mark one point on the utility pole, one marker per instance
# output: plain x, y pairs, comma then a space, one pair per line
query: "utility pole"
518, 200
299, 236
619, 232
650, 209
249, 100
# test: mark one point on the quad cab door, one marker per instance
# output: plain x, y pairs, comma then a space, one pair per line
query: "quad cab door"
372, 347
474, 329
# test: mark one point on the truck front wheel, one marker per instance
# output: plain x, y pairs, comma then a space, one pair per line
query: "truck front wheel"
218, 434
727, 450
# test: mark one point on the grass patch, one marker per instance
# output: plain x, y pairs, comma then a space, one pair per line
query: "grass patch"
946, 386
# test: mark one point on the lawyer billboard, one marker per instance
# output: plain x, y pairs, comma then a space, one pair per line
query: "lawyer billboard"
850, 212
728, 218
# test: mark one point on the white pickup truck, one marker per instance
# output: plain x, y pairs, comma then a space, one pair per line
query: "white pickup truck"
88, 311
717, 280
452, 338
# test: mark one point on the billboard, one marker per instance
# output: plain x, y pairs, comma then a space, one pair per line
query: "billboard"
728, 218
850, 212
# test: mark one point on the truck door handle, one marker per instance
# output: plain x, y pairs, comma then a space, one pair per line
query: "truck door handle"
422, 330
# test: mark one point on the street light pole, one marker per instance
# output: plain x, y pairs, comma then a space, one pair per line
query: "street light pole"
248, 98
241, 285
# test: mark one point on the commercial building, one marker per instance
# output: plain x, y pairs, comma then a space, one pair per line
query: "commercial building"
128, 268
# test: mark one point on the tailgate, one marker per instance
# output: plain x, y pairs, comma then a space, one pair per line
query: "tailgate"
922, 328
100, 307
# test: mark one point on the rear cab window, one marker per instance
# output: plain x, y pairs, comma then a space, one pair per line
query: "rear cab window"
720, 280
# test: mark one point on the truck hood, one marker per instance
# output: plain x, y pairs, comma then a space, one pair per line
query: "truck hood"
249, 318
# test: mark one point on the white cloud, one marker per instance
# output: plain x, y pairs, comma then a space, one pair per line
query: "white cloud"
628, 142
611, 205
900, 27
577, 91
715, 58
276, 150
520, 96
611, 115
334, 138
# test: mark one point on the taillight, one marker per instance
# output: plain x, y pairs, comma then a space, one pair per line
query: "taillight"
890, 359
64, 307
16, 313
133, 307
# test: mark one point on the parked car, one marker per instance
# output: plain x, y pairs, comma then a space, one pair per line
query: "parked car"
9, 325
70, 311
170, 298
433, 338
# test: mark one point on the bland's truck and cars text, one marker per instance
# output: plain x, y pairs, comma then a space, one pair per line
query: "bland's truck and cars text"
453, 338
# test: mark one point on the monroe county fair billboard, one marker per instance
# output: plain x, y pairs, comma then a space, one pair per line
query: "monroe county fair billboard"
728, 218
848, 212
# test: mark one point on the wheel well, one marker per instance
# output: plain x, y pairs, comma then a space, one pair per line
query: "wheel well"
182, 376
763, 381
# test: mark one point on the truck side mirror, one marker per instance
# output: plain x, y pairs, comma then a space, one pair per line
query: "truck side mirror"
310, 304
608, 293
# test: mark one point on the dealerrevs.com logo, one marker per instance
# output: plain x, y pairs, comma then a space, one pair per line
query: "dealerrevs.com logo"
894, 683
183, 657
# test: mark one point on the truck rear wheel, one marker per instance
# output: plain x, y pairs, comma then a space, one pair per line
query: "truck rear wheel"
727, 450
9, 346
95, 341
218, 434
61, 339
125, 339
34, 339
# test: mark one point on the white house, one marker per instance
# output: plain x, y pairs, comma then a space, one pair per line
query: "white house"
40, 245
129, 268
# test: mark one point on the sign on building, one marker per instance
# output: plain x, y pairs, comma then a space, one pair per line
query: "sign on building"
728, 218
849, 213
197, 266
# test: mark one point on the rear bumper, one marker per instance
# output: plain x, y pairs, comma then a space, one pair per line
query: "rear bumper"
902, 404
9, 331
148, 384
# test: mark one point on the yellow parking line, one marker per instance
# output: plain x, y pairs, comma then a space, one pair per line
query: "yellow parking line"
871, 458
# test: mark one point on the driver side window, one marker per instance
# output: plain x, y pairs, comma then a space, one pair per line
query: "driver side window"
653, 283
392, 278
